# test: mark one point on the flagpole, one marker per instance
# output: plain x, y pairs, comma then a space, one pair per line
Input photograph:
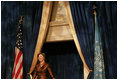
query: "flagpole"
94, 7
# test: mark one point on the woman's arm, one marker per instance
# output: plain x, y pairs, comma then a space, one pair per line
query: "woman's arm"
34, 76
50, 72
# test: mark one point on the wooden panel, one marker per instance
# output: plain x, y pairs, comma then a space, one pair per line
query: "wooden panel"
59, 33
58, 26
58, 12
47, 6
58, 23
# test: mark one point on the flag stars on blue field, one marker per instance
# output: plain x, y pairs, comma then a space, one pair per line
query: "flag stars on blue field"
19, 35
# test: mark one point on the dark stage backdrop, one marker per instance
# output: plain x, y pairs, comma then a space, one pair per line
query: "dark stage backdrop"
64, 60
83, 18
11, 12
107, 22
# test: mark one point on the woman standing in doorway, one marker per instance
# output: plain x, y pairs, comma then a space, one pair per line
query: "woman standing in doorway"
42, 69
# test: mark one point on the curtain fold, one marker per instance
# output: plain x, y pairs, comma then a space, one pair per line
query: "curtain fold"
107, 22
11, 12
31, 25
84, 26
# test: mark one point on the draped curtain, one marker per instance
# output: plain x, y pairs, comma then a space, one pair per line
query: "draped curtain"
84, 25
31, 25
11, 12
83, 18
107, 22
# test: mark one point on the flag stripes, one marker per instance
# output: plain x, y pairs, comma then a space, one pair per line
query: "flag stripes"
18, 64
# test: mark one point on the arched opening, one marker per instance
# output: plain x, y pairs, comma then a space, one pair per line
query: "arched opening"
64, 60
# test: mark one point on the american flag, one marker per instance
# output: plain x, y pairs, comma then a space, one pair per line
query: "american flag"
18, 62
